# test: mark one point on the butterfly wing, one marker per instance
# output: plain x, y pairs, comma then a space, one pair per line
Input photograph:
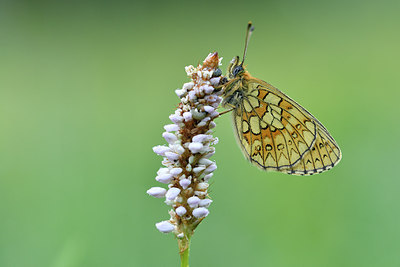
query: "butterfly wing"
276, 133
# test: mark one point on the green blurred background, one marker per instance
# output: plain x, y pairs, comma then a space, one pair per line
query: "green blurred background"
85, 88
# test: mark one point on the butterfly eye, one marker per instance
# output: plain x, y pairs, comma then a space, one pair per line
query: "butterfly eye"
237, 70
217, 73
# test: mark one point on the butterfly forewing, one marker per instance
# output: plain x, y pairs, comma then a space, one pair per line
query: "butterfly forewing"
276, 133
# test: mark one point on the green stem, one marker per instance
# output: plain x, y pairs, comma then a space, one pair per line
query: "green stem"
184, 247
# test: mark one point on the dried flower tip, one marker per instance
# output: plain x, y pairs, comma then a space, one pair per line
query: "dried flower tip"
180, 210
172, 193
165, 227
200, 212
157, 192
211, 61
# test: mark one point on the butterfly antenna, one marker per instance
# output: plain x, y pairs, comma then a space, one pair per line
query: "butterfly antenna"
250, 29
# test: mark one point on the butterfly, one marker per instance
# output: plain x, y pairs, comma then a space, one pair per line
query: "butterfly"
274, 132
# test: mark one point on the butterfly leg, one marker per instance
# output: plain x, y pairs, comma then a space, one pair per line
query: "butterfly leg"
232, 107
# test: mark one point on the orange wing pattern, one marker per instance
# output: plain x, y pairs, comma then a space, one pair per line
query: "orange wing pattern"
276, 133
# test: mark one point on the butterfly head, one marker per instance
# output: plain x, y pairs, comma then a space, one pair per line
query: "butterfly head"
235, 68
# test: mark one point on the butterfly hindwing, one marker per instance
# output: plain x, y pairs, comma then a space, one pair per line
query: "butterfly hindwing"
276, 133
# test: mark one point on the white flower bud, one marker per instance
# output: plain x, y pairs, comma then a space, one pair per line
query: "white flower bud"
171, 127
189, 168
169, 137
165, 227
180, 235
214, 114
180, 210
192, 95
191, 159
215, 141
200, 212
207, 177
187, 116
201, 138
172, 193
215, 81
177, 148
202, 186
164, 178
175, 171
205, 161
180, 92
205, 202
201, 124
188, 86
162, 171
210, 168
176, 118
208, 109
199, 169
208, 89
184, 183
172, 156
160, 150
157, 192
193, 201
195, 147
169, 202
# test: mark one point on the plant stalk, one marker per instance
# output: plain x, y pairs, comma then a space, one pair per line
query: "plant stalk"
184, 248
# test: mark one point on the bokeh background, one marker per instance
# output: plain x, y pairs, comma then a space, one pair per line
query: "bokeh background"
86, 87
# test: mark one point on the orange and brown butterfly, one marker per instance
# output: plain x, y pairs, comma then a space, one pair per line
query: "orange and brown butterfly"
274, 132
